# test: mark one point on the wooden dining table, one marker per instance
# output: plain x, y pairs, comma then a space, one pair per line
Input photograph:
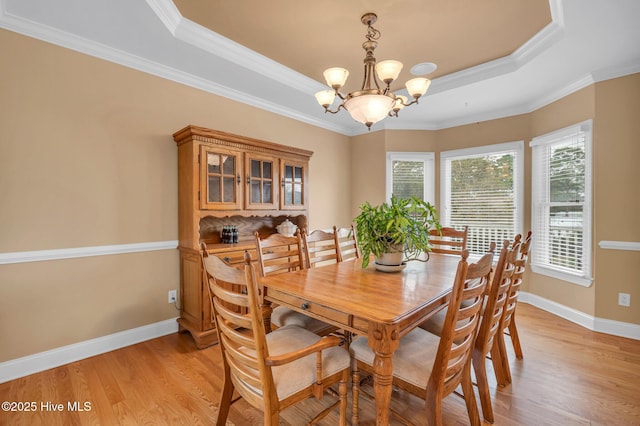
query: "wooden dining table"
384, 306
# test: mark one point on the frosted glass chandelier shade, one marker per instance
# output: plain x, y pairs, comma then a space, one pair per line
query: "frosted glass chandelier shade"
369, 109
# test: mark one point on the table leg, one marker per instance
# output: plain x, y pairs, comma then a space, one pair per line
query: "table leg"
267, 309
384, 341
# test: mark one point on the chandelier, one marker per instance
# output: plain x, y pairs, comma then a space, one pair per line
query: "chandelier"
371, 103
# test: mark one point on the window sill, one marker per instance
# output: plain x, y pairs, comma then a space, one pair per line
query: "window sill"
574, 279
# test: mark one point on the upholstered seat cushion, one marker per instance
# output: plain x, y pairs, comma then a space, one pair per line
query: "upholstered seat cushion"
412, 361
300, 374
282, 316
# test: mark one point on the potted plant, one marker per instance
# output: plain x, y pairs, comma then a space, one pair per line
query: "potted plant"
399, 228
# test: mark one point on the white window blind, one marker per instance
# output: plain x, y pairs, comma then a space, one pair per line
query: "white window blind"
410, 174
561, 204
482, 189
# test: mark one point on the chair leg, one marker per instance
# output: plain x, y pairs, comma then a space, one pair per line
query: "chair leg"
433, 405
470, 396
500, 360
355, 392
515, 339
225, 399
480, 369
342, 390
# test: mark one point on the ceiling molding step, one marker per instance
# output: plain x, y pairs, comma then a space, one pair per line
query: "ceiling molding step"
203, 38
168, 13
540, 42
561, 92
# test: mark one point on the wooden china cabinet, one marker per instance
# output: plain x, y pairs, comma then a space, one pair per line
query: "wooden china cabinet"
226, 179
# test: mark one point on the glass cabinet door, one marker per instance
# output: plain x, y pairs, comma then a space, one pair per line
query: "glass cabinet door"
261, 181
293, 185
220, 181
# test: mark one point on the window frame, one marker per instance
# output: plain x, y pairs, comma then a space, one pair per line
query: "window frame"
585, 276
429, 172
484, 150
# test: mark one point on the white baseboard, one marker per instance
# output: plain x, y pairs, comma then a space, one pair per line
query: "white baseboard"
42, 361
601, 325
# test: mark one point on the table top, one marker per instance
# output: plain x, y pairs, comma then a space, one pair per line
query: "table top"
381, 297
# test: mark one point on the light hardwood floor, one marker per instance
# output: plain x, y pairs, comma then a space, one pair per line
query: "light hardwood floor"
569, 376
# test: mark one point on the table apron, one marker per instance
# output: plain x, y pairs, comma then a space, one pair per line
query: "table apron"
349, 321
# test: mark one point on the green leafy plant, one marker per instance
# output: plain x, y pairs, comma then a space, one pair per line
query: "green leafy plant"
403, 224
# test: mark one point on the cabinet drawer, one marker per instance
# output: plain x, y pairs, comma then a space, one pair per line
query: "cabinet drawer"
302, 305
236, 257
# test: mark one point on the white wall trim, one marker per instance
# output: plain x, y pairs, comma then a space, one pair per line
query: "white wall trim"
70, 253
42, 361
619, 245
601, 325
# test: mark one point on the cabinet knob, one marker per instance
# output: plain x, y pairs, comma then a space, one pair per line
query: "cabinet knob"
304, 306
238, 179
282, 182
248, 180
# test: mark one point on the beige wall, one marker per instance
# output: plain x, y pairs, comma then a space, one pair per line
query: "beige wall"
616, 194
87, 159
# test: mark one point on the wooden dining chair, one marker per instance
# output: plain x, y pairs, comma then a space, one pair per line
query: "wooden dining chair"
271, 372
495, 299
321, 248
429, 366
508, 322
279, 254
448, 240
347, 243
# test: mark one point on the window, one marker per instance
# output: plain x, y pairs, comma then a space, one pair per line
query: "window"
410, 174
561, 204
482, 188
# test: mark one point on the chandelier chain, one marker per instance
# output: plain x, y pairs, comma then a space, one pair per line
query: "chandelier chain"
372, 33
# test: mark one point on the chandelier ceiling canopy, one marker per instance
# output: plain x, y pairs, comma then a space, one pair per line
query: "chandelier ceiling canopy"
372, 102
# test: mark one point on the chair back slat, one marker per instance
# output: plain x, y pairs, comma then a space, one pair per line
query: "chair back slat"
320, 248
448, 240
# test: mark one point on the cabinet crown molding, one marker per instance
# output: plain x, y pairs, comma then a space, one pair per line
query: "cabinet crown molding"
231, 140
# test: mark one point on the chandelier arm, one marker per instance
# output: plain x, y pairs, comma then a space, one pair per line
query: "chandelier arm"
414, 101
327, 109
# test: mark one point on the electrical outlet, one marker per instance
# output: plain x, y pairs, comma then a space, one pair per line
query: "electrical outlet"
624, 299
172, 296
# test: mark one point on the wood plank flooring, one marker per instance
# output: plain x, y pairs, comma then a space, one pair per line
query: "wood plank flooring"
569, 376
